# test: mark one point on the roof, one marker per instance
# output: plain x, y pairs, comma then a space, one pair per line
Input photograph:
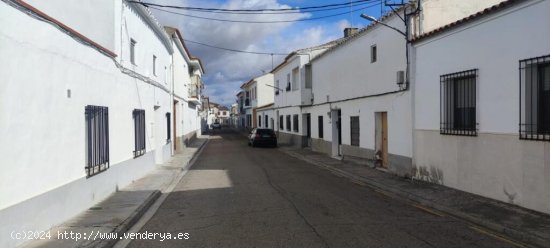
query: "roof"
341, 42
247, 83
265, 106
306, 50
488, 11
172, 30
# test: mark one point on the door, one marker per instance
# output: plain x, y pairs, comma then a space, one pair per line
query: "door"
174, 127
339, 126
384, 116
308, 129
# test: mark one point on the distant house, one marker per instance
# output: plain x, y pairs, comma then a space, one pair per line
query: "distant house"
255, 93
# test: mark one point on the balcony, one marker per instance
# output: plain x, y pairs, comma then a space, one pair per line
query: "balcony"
247, 102
194, 89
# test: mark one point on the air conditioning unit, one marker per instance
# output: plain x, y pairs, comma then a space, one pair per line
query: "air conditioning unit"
400, 80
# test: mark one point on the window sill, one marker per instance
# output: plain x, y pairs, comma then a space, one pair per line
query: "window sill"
139, 153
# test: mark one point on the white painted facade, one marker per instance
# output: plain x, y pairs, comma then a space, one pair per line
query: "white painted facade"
345, 78
495, 163
49, 78
257, 93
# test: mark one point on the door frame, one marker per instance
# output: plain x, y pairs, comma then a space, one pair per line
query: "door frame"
381, 139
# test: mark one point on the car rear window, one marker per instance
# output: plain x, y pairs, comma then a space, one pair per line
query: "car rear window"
264, 131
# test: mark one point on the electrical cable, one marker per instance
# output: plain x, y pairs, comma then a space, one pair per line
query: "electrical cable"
250, 10
259, 22
235, 50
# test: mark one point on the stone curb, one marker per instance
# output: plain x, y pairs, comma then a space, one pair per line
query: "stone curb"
517, 235
130, 221
141, 210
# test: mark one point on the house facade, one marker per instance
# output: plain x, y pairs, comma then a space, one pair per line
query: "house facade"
95, 114
256, 93
482, 102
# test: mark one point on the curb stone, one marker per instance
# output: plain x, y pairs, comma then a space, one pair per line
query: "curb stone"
517, 235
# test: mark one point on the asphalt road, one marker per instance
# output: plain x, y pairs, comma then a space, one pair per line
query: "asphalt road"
238, 196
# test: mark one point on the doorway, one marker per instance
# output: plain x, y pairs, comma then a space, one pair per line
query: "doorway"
174, 127
307, 121
381, 139
336, 117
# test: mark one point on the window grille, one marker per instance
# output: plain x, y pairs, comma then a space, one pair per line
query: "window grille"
281, 123
97, 139
355, 132
259, 121
320, 125
139, 132
168, 128
458, 103
295, 123
535, 98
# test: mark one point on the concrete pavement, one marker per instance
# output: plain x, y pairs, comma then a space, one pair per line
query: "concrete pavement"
103, 225
239, 196
518, 223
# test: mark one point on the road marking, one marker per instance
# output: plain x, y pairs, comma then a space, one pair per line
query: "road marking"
430, 211
496, 236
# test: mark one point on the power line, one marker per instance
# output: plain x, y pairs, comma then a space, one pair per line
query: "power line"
248, 10
235, 50
273, 13
281, 21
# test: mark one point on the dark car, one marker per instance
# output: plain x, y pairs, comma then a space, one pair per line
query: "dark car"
216, 125
262, 136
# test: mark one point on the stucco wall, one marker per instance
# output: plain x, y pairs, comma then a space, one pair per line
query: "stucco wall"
43, 121
496, 163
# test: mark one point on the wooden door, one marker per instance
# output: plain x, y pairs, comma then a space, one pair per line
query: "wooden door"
384, 117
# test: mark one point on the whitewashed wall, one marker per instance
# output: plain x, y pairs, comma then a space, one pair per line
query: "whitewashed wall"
496, 163
43, 129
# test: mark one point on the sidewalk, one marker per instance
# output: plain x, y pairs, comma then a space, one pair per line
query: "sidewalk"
518, 223
118, 213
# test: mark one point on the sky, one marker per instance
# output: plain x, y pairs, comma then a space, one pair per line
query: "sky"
225, 70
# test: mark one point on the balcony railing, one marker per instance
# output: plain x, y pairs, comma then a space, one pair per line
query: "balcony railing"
247, 102
195, 87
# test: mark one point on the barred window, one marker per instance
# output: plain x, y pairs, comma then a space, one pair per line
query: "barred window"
139, 132
535, 98
354, 130
97, 139
265, 121
281, 123
288, 122
295, 123
259, 121
168, 127
320, 125
458, 103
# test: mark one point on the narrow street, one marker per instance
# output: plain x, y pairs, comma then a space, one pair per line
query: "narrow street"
239, 196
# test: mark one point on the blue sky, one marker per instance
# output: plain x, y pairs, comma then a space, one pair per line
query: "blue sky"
226, 71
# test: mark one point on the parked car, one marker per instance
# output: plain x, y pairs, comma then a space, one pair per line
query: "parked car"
262, 136
216, 125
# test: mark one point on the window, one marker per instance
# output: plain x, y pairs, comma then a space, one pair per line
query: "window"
154, 65
281, 123
308, 76
287, 82
295, 74
97, 139
458, 103
295, 123
133, 51
259, 121
373, 54
276, 87
168, 127
265, 121
354, 127
535, 98
288, 122
320, 125
139, 132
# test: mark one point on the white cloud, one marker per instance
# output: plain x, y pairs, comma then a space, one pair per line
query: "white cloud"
226, 71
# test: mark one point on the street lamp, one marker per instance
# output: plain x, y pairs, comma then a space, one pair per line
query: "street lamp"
372, 19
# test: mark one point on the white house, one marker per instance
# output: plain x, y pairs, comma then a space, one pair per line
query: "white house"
87, 99
482, 104
187, 72
257, 93
293, 89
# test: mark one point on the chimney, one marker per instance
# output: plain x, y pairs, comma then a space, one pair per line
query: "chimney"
349, 32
